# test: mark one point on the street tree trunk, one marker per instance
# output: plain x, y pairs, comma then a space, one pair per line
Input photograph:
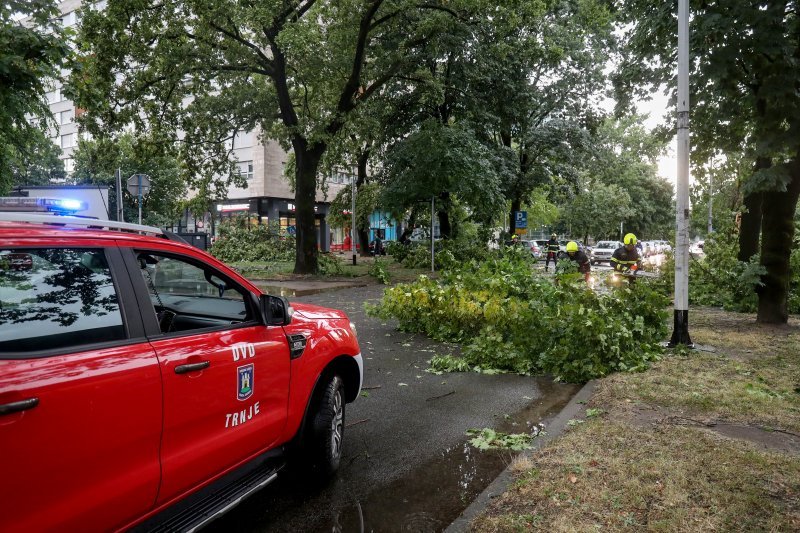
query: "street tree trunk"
776, 248
307, 162
443, 212
750, 228
361, 179
516, 205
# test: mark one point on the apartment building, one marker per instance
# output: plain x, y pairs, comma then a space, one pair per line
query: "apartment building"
266, 198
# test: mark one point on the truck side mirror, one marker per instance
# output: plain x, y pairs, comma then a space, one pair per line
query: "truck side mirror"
275, 310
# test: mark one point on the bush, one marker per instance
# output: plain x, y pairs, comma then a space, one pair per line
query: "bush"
379, 272
513, 320
237, 243
397, 250
328, 265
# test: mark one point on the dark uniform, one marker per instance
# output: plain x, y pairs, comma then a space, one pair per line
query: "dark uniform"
623, 259
552, 253
580, 257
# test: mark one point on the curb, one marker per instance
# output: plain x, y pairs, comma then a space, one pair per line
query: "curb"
573, 409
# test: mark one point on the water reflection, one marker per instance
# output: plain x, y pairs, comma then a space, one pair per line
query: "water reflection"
51, 293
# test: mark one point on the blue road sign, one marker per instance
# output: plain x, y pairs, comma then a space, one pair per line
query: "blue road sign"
521, 219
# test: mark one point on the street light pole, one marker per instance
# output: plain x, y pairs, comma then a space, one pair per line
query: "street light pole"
680, 333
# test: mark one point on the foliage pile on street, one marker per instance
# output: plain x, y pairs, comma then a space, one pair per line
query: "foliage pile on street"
510, 319
238, 242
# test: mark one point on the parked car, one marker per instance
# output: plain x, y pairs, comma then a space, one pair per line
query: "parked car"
603, 250
142, 380
697, 249
533, 246
666, 247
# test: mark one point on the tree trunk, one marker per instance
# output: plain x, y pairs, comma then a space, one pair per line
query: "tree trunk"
307, 161
516, 204
776, 248
363, 242
361, 179
443, 212
750, 228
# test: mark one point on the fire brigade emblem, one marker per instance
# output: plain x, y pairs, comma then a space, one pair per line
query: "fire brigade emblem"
244, 381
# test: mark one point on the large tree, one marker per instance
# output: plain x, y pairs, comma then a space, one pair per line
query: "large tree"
744, 96
445, 163
33, 47
295, 68
535, 78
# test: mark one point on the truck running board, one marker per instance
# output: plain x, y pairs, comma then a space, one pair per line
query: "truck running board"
212, 504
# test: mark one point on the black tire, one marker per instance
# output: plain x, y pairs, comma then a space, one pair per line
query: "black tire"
325, 433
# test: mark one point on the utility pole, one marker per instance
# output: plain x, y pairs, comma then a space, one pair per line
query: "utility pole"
120, 213
680, 333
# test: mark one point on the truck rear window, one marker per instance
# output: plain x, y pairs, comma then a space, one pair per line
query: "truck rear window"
52, 298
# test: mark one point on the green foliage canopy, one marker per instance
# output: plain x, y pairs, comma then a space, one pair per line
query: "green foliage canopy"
31, 55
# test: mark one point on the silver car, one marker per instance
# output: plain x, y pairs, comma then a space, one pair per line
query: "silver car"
603, 250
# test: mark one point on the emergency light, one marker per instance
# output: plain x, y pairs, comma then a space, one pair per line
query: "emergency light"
62, 206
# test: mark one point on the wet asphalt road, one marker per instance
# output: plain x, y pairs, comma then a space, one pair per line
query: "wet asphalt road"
406, 466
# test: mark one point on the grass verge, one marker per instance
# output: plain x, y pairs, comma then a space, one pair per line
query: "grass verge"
629, 470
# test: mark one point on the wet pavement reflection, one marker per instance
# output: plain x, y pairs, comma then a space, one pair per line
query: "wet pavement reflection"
427, 498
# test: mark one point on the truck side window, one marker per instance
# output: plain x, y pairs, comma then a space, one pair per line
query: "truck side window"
53, 298
186, 296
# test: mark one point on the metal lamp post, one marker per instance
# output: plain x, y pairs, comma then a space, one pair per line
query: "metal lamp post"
680, 332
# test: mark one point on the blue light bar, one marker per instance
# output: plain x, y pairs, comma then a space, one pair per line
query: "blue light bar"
42, 205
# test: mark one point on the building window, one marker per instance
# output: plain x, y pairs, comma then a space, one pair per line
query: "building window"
243, 139
246, 169
67, 116
66, 141
69, 165
69, 19
54, 96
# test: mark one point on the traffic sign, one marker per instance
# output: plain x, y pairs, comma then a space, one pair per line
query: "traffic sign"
133, 184
521, 219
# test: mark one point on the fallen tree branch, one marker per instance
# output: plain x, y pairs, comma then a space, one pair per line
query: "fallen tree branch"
440, 396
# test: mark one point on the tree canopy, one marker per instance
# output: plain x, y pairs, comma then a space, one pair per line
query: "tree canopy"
294, 69
744, 101
33, 47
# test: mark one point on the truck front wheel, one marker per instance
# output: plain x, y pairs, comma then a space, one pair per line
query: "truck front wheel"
324, 441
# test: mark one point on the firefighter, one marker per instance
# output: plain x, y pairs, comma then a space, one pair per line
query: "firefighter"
552, 252
579, 256
626, 258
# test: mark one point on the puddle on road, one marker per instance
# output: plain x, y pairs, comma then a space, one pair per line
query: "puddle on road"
431, 496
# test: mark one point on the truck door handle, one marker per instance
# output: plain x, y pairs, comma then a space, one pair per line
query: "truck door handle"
183, 369
15, 407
